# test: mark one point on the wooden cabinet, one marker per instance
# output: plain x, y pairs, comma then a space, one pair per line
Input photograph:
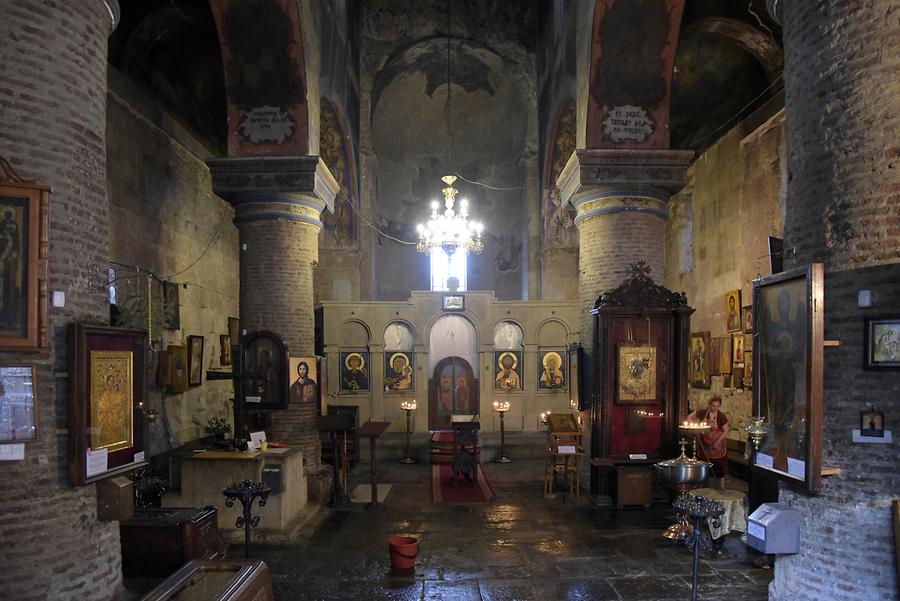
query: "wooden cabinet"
352, 438
228, 580
638, 374
159, 540
633, 485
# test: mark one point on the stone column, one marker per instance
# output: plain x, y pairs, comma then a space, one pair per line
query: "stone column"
842, 124
620, 200
278, 202
53, 97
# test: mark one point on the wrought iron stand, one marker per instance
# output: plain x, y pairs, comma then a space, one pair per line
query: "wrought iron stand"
503, 458
407, 458
697, 509
245, 492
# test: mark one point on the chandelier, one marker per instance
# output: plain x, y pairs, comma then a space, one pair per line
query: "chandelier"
449, 230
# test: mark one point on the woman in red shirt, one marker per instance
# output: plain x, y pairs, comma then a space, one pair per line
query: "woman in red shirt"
712, 444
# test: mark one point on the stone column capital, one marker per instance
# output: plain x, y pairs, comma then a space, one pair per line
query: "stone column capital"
298, 180
623, 172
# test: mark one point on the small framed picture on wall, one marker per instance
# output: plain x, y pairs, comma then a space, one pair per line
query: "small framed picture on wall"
882, 345
871, 423
733, 311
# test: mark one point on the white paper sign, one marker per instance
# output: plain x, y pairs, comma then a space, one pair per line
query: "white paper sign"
251, 446
12, 452
138, 457
797, 468
755, 530
258, 438
637, 456
253, 399
764, 460
566, 450
97, 462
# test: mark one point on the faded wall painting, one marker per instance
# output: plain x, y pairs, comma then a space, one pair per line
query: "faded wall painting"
265, 76
559, 218
339, 226
632, 53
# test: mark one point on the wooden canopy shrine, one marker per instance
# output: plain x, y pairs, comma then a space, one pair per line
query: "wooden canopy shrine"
639, 363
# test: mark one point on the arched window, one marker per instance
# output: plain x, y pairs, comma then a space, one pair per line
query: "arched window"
444, 267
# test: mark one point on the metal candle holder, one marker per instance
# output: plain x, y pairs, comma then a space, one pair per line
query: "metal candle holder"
757, 430
502, 407
696, 509
245, 492
409, 407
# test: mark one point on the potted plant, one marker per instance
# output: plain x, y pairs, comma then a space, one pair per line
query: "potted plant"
218, 427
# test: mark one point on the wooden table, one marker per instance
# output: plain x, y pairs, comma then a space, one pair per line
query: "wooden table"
555, 466
373, 431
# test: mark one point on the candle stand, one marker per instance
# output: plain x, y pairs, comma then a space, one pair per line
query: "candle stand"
697, 509
246, 492
409, 407
502, 408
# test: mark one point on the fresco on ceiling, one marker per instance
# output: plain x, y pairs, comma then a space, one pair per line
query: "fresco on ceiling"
338, 227
632, 54
559, 218
262, 52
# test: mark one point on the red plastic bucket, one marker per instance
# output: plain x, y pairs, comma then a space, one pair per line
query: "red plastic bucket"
403, 550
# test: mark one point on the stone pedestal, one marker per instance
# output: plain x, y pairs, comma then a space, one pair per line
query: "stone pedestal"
278, 202
204, 475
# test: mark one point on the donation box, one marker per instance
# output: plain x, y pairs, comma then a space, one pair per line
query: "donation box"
774, 528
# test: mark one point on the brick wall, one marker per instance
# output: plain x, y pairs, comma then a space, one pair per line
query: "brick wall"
847, 550
277, 295
717, 233
164, 217
842, 101
53, 113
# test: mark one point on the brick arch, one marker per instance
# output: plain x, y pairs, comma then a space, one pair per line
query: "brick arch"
265, 77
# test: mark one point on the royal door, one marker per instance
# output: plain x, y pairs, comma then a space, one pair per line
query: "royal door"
452, 390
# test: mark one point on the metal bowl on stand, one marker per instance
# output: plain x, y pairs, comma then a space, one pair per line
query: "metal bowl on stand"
682, 474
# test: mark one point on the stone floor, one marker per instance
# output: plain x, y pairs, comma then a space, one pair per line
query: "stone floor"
522, 546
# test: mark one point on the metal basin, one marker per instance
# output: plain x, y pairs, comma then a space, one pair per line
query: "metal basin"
684, 470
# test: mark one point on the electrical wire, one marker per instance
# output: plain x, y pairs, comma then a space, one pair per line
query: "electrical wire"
488, 186
375, 227
740, 112
205, 250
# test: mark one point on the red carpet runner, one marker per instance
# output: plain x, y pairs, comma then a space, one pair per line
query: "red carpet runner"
461, 490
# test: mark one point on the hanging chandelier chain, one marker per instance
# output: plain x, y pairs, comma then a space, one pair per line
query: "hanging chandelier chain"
449, 229
448, 107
